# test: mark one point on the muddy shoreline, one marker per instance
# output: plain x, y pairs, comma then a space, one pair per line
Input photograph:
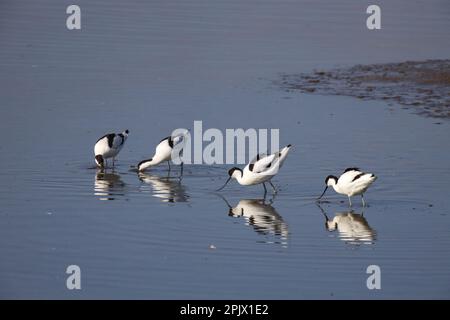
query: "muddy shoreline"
423, 86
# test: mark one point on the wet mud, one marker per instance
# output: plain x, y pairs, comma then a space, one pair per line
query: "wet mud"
423, 86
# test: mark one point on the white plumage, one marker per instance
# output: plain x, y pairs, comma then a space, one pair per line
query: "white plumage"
109, 146
351, 183
262, 169
164, 152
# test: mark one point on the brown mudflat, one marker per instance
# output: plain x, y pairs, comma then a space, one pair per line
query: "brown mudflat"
420, 85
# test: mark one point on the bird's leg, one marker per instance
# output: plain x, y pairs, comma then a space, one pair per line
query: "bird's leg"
265, 190
181, 172
349, 201
168, 163
363, 202
114, 158
272, 199
273, 187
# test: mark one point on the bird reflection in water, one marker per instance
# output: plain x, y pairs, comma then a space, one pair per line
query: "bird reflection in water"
352, 227
108, 185
165, 188
263, 217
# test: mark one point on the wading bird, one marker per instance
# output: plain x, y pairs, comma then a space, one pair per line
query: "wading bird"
109, 146
351, 183
164, 152
261, 170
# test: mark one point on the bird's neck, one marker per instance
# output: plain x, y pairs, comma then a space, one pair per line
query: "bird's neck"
146, 164
239, 177
336, 187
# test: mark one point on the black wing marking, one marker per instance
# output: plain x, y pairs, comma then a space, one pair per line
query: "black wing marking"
110, 137
258, 157
351, 169
252, 165
358, 176
122, 137
169, 138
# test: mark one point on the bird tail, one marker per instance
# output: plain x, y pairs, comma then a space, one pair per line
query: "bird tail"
368, 177
284, 152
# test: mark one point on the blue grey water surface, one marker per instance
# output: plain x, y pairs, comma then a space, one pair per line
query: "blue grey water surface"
153, 66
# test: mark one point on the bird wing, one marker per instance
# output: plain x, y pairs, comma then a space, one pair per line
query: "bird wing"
351, 169
117, 141
258, 157
264, 163
163, 151
109, 137
176, 140
261, 163
164, 148
169, 140
349, 175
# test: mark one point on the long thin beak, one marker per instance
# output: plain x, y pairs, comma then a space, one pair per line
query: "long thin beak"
323, 193
224, 184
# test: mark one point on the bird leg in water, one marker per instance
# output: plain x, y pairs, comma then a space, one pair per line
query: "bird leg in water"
181, 172
273, 187
271, 201
363, 202
349, 201
168, 163
265, 190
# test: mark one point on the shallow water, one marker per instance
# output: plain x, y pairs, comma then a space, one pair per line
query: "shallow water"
158, 66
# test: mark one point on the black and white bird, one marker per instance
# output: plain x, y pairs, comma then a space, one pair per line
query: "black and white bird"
164, 152
260, 170
109, 146
351, 183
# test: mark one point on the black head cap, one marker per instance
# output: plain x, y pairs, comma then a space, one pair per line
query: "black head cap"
232, 170
99, 159
147, 160
127, 131
331, 177
327, 227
